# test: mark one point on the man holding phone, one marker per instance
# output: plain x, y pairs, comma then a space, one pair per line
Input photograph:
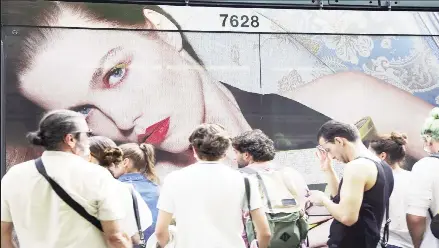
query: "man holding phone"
358, 201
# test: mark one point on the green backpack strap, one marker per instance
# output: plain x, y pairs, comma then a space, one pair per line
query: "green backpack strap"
251, 171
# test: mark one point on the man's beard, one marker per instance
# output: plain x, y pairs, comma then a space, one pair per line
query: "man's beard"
83, 151
242, 164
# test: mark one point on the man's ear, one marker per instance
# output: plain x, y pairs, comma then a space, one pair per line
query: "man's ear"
195, 154
69, 140
339, 141
247, 156
157, 21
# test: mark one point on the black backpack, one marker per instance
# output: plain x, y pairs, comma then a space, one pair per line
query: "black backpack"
434, 225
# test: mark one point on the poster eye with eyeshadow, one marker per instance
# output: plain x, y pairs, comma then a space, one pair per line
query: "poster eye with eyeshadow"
115, 76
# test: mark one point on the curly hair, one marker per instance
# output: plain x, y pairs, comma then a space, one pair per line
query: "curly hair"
210, 142
255, 143
105, 151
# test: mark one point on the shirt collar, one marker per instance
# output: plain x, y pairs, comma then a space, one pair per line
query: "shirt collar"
131, 177
60, 153
262, 166
208, 162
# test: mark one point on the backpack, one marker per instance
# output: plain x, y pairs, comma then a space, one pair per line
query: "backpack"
288, 229
434, 225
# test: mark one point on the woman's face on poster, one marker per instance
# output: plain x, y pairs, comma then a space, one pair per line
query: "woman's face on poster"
131, 86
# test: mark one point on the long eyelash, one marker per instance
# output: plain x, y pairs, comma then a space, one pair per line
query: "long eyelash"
82, 107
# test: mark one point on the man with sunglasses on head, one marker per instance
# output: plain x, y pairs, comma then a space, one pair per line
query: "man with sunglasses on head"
43, 218
358, 201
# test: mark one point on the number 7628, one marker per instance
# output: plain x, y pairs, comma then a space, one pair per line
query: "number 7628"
243, 21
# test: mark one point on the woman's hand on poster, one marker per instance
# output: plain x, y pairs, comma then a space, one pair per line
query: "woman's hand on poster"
325, 161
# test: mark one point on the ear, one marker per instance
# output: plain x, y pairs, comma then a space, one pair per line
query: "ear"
70, 140
382, 156
338, 140
125, 162
90, 158
195, 154
247, 156
157, 21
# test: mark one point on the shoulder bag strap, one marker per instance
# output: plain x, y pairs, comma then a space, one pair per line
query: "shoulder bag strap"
248, 197
265, 191
386, 234
251, 171
136, 214
430, 213
66, 197
247, 192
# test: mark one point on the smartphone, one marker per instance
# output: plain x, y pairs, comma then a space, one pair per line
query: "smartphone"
289, 202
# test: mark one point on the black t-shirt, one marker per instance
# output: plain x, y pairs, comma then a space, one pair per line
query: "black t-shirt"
290, 124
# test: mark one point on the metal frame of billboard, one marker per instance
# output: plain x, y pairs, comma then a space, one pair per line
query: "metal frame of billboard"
382, 5
2, 106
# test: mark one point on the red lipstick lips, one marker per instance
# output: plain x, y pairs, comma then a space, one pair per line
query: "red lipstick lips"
156, 133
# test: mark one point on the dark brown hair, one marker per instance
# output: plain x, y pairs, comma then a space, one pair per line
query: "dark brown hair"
331, 129
143, 158
392, 144
257, 144
210, 142
105, 151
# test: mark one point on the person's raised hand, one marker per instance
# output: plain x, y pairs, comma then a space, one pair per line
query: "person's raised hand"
325, 161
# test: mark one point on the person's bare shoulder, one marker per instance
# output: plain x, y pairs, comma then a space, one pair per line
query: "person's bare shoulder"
361, 164
360, 169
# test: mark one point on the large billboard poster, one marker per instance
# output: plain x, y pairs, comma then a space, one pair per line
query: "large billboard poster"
152, 73
157, 71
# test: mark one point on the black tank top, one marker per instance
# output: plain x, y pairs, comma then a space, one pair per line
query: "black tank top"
365, 233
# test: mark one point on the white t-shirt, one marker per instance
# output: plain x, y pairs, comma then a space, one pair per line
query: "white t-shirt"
41, 219
398, 231
129, 223
424, 194
207, 199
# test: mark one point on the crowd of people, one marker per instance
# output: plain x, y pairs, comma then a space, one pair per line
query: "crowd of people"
87, 191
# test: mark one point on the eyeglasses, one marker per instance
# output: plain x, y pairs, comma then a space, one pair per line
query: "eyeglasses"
320, 147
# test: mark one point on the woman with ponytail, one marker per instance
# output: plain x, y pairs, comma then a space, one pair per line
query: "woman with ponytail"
104, 151
392, 149
137, 168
